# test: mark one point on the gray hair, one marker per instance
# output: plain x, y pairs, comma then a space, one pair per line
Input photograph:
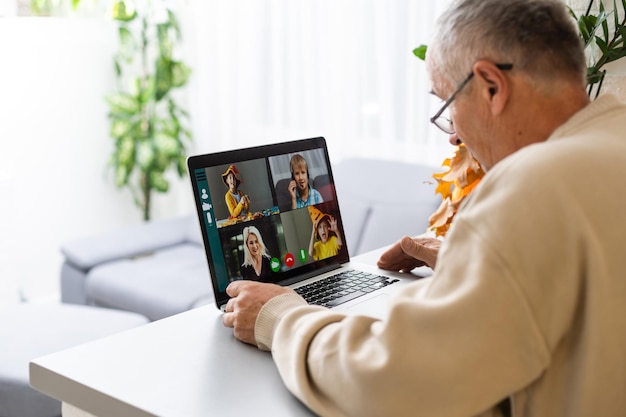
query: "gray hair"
539, 37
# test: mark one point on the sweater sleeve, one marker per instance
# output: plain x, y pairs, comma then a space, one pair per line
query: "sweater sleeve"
455, 348
453, 352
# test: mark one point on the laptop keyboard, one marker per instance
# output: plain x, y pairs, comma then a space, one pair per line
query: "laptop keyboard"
343, 287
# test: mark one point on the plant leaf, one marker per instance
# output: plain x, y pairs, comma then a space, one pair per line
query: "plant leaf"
181, 165
454, 185
128, 46
145, 155
159, 182
166, 144
122, 103
602, 45
180, 74
163, 78
121, 175
120, 127
122, 12
420, 52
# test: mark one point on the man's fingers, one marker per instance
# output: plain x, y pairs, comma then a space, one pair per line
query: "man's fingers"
410, 247
423, 249
228, 319
230, 306
234, 288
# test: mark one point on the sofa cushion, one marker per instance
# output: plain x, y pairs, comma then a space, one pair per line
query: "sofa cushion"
192, 231
322, 184
386, 224
132, 241
158, 285
283, 196
29, 331
72, 284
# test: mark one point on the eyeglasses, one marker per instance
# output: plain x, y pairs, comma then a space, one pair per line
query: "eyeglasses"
443, 122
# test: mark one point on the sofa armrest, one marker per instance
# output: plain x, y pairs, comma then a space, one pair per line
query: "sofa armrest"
129, 242
390, 199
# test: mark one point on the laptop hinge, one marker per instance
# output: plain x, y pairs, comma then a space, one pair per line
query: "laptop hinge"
308, 275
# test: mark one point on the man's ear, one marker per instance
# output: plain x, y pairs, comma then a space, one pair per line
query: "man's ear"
493, 84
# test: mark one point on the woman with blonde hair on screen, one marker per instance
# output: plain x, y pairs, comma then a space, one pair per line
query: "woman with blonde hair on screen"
256, 260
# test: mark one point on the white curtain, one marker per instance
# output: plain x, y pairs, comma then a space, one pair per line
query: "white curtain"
271, 70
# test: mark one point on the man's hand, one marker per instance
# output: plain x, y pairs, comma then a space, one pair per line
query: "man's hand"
247, 298
409, 253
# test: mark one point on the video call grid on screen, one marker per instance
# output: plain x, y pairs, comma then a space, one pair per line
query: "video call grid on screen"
285, 232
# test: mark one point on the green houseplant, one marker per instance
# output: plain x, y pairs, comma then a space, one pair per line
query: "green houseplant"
603, 34
147, 124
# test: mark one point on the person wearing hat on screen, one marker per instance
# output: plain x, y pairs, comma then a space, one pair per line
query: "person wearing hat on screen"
237, 202
325, 238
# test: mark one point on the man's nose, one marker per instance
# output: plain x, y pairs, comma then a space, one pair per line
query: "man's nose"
455, 140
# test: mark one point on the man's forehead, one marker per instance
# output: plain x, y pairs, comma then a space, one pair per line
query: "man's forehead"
433, 70
437, 85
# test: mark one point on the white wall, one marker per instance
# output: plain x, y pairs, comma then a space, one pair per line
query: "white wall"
54, 147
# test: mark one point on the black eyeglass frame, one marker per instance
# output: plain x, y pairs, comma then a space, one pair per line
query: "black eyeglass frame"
437, 116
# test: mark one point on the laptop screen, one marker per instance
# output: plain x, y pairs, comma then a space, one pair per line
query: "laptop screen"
268, 213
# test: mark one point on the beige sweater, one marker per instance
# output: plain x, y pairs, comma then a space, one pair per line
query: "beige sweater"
528, 299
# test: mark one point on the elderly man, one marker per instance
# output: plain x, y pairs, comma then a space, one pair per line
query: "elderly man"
525, 314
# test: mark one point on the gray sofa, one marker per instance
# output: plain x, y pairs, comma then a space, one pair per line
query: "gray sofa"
159, 268
31, 330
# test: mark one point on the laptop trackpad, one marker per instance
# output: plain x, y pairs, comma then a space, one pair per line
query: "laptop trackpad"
377, 306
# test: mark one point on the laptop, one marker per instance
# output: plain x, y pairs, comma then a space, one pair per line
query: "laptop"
271, 213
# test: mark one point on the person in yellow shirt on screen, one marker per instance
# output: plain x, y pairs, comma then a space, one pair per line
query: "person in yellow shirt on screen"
238, 203
325, 237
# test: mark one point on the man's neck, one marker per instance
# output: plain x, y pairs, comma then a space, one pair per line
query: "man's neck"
536, 116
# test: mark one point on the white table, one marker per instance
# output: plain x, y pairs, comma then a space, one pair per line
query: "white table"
185, 365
